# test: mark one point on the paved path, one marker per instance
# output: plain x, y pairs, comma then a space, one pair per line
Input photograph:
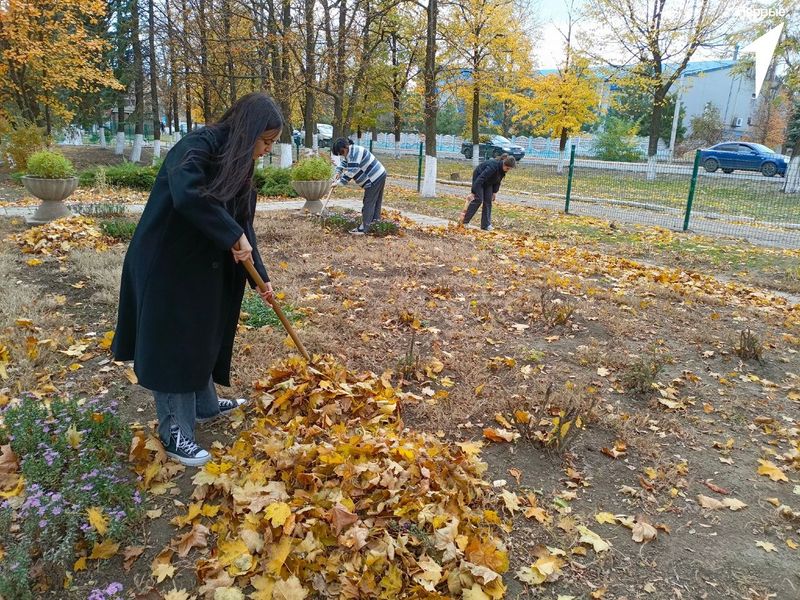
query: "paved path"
351, 203
710, 226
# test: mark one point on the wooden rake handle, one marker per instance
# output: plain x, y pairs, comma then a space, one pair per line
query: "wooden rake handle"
251, 269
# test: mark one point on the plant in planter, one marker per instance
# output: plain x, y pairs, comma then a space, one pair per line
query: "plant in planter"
311, 178
51, 178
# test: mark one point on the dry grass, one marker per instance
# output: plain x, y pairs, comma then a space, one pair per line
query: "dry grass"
103, 269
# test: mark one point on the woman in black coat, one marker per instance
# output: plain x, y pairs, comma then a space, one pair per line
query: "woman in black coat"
486, 179
182, 288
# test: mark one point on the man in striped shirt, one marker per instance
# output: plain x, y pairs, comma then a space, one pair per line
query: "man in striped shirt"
360, 165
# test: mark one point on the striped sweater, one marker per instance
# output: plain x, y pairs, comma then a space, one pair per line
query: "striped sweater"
361, 166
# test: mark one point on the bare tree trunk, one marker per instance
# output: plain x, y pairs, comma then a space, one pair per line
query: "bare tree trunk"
562, 146
226, 28
431, 106
476, 103
310, 74
655, 130
173, 73
338, 99
138, 73
204, 75
151, 25
187, 88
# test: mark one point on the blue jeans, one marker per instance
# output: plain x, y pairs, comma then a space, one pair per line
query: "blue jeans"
182, 409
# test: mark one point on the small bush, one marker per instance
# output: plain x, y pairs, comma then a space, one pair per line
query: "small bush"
274, 181
554, 310
258, 315
340, 221
131, 175
617, 142
23, 141
49, 165
119, 229
381, 228
749, 346
87, 178
72, 458
641, 375
312, 169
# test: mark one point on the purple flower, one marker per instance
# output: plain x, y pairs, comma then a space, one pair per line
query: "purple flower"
56, 511
42, 524
114, 588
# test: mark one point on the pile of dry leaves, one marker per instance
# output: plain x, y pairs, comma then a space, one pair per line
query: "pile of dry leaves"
58, 237
326, 493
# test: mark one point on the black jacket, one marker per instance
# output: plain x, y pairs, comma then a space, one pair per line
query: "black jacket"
181, 290
488, 173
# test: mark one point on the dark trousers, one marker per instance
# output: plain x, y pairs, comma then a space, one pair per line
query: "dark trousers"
485, 198
373, 199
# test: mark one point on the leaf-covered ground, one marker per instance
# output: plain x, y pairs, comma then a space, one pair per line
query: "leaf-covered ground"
631, 450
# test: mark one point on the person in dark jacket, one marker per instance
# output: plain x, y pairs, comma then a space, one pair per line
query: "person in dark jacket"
486, 179
182, 288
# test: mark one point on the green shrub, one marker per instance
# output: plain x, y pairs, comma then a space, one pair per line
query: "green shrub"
274, 181
49, 165
131, 175
616, 142
260, 315
119, 229
86, 179
72, 458
340, 221
23, 141
312, 169
382, 228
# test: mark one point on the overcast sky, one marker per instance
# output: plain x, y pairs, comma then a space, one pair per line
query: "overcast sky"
552, 15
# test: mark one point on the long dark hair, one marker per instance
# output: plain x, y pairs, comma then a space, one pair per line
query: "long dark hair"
240, 127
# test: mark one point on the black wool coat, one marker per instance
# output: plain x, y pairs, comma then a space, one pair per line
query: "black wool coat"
489, 173
181, 290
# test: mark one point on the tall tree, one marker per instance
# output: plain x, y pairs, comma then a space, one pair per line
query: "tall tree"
477, 30
660, 37
47, 52
154, 105
138, 84
431, 100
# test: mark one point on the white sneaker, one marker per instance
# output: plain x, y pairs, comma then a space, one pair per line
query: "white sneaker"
225, 406
185, 450
357, 231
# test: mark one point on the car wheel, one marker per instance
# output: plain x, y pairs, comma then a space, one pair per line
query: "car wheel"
728, 171
711, 165
468, 153
496, 153
769, 169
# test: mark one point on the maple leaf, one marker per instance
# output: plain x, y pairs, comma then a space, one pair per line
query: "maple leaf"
511, 500
130, 554
98, 520
500, 435
341, 518
175, 594
195, 538
771, 470
605, 517
289, 589
767, 546
590, 537
278, 512
104, 550
643, 531
162, 566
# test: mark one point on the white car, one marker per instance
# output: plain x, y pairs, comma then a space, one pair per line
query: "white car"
324, 135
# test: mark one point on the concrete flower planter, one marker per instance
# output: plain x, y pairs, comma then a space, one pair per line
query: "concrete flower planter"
52, 193
312, 191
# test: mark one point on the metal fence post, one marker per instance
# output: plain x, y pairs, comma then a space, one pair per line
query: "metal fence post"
569, 177
692, 188
370, 144
419, 168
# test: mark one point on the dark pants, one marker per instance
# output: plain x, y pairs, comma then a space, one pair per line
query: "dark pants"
373, 199
484, 198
